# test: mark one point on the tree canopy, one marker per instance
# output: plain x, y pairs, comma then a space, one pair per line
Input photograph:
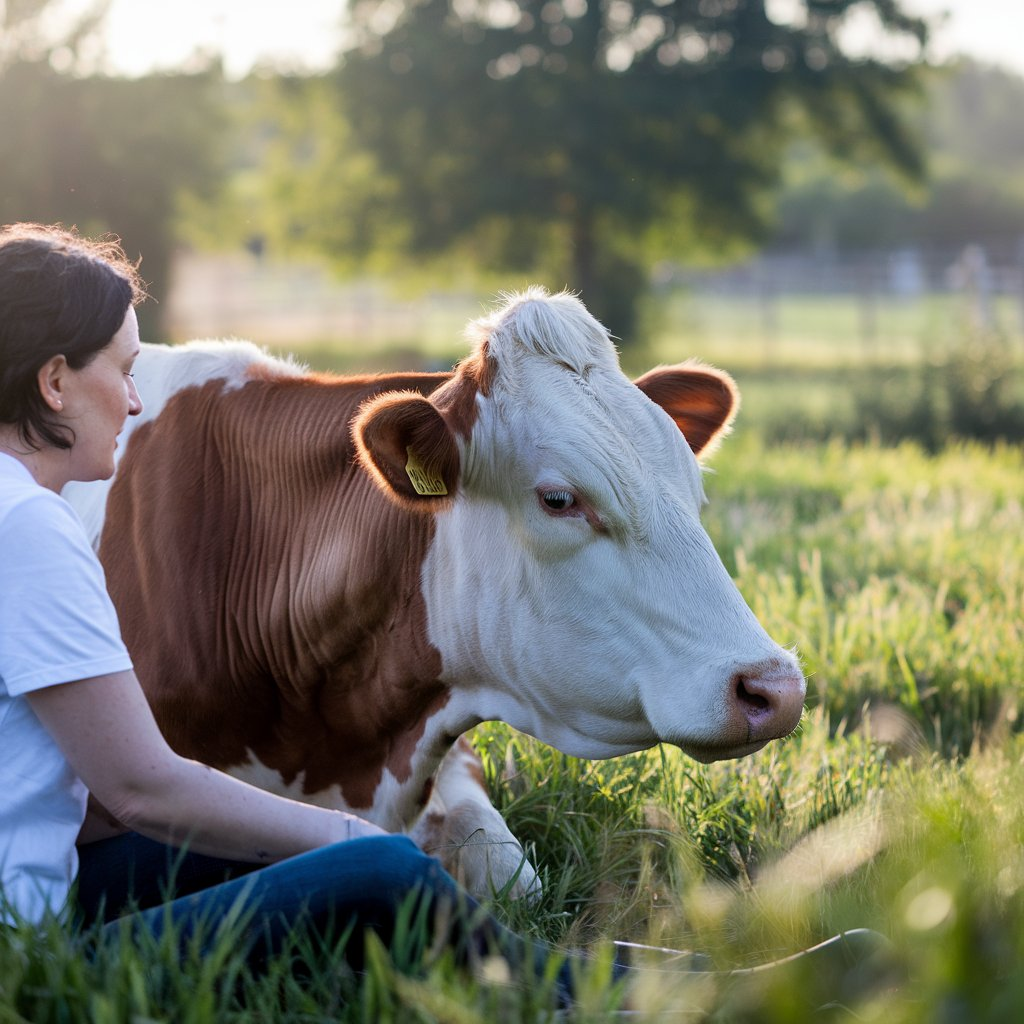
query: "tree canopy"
586, 138
975, 145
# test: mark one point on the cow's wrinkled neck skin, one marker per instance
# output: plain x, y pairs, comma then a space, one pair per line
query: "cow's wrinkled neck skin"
331, 654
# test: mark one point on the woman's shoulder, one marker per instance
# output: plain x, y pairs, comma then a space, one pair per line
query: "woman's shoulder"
28, 511
44, 546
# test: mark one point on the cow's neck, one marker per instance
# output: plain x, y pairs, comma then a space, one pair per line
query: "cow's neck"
299, 590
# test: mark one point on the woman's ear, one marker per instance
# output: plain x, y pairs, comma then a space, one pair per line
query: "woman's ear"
52, 381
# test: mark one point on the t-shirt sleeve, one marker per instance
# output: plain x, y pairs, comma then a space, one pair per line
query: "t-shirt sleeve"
57, 622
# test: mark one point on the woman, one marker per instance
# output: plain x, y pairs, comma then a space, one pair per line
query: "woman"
73, 718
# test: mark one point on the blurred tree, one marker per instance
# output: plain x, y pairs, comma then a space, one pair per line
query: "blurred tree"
297, 184
587, 138
102, 153
32, 30
975, 188
973, 118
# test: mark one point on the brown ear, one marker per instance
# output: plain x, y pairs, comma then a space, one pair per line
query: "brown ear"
701, 400
405, 445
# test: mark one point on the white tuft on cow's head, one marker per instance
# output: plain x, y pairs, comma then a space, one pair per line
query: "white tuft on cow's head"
557, 327
405, 445
700, 399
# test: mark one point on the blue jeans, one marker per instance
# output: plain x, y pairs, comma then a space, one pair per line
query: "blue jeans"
338, 890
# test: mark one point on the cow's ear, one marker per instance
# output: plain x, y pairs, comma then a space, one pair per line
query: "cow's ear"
701, 400
405, 445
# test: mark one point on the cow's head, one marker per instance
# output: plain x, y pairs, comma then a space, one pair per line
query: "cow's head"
570, 586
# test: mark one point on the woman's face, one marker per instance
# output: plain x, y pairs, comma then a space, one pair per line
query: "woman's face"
100, 397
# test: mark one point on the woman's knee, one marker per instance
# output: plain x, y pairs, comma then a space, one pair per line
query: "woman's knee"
392, 856
373, 864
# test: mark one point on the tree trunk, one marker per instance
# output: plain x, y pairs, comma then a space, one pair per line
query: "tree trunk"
608, 281
583, 261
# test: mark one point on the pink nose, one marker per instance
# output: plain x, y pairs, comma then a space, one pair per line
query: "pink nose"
769, 697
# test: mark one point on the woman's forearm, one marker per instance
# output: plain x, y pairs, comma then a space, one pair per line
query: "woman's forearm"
108, 733
190, 803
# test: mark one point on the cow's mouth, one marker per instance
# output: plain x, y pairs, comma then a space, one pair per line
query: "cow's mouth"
706, 753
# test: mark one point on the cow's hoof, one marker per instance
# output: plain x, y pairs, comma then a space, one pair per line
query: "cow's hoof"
488, 866
475, 847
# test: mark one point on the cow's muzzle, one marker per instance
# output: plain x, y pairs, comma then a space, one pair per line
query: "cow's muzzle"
767, 700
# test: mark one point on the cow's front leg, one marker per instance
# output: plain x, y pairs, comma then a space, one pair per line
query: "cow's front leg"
461, 827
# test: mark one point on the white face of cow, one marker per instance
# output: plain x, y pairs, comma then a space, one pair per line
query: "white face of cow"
570, 588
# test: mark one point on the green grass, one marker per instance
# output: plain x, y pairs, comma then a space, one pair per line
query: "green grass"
898, 575
927, 373
900, 579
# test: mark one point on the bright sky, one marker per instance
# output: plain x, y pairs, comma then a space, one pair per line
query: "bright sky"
298, 34
143, 34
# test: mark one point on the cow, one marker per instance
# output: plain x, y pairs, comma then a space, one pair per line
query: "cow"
325, 581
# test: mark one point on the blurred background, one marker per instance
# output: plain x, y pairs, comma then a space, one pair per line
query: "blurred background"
824, 196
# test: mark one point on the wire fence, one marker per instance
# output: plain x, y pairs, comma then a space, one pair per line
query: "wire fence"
881, 303
299, 304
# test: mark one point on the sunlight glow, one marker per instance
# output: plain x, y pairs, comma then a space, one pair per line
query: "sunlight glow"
143, 35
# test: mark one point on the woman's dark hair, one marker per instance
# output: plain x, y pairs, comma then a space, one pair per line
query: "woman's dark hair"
60, 294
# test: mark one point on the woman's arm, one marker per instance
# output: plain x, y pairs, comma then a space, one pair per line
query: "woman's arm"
99, 824
108, 733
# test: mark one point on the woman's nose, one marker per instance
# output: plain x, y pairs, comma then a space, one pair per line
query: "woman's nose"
134, 401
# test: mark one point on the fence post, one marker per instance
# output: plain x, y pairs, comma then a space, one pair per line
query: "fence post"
766, 306
868, 306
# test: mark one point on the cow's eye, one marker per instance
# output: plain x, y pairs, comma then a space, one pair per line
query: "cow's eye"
557, 501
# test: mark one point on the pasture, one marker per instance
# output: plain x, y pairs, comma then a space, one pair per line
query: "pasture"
898, 575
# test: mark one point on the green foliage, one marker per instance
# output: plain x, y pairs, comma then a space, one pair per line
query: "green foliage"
899, 577
561, 137
298, 184
973, 121
968, 392
975, 149
816, 367
105, 154
972, 392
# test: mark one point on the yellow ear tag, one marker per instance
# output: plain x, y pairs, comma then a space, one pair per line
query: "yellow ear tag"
422, 481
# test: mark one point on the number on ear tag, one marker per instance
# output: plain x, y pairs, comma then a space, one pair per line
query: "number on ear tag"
423, 481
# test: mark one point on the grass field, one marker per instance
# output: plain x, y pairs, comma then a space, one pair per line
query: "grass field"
898, 575
816, 368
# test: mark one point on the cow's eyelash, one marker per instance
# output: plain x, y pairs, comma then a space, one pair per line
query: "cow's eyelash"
556, 499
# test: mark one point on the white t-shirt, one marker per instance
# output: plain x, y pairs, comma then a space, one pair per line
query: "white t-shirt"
57, 625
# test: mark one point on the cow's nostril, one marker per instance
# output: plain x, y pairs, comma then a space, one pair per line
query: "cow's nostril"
769, 697
753, 700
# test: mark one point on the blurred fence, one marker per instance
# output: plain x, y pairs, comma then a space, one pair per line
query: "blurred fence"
870, 303
299, 304
873, 299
